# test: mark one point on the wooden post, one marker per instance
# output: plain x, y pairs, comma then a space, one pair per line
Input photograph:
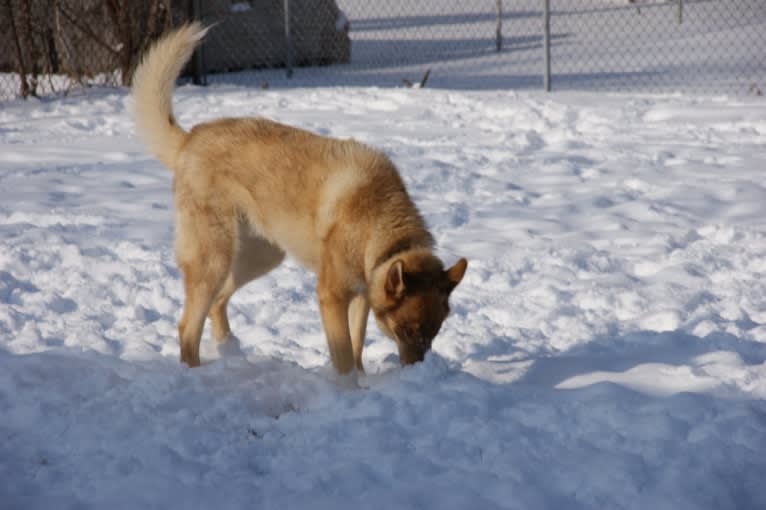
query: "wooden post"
288, 40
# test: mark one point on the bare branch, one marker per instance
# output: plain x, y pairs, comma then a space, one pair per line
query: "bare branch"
90, 33
19, 52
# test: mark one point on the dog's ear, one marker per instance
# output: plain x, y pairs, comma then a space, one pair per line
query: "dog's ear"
455, 273
395, 280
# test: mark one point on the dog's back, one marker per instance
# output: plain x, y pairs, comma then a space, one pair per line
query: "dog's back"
294, 187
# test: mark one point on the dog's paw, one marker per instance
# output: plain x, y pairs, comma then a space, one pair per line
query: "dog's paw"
230, 347
349, 381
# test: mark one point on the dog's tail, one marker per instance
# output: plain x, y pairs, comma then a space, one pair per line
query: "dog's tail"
153, 84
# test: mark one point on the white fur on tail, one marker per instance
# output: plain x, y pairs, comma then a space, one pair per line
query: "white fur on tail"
153, 84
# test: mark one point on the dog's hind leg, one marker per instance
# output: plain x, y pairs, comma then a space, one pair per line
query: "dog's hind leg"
358, 311
218, 317
255, 257
205, 254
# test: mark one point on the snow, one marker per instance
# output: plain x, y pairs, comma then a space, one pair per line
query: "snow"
240, 7
606, 349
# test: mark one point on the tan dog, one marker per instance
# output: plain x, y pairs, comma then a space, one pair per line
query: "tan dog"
250, 190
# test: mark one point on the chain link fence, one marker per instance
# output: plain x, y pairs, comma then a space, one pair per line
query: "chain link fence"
714, 46
707, 46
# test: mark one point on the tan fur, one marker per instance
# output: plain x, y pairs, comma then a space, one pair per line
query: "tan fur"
248, 191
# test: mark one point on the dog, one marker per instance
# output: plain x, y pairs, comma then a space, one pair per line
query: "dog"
248, 191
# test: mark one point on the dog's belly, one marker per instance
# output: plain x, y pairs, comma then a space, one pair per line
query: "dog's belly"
295, 238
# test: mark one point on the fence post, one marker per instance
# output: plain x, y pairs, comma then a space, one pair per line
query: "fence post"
288, 40
199, 76
547, 44
499, 27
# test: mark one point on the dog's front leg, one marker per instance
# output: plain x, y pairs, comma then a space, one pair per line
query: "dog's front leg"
334, 301
335, 320
358, 311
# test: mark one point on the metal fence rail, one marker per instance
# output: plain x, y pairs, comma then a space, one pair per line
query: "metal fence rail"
700, 46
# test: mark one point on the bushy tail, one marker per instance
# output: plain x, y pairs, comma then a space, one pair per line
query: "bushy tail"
153, 84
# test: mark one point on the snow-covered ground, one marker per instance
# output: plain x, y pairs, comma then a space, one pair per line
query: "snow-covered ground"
606, 348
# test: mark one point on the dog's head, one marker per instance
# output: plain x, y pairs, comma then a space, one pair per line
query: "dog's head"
410, 301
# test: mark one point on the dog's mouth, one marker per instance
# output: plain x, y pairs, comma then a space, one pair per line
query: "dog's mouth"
412, 345
409, 354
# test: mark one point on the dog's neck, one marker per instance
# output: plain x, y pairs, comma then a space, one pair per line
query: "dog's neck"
377, 265
397, 248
